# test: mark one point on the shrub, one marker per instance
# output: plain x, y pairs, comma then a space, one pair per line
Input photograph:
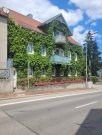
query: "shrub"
22, 82
45, 79
94, 79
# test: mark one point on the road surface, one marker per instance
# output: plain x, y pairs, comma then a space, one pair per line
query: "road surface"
59, 114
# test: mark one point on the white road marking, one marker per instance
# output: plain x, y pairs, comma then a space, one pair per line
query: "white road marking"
86, 105
41, 99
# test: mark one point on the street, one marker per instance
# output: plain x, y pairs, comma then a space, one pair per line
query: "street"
52, 115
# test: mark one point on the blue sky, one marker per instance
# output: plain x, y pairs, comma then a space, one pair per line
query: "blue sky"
88, 23
80, 15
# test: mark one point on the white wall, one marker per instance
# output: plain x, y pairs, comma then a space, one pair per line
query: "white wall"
3, 42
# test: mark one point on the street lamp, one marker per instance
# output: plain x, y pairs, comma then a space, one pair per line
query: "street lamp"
89, 35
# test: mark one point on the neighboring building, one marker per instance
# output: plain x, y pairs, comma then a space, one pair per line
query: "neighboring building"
3, 39
48, 47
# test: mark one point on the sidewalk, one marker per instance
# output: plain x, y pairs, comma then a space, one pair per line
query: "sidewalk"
20, 93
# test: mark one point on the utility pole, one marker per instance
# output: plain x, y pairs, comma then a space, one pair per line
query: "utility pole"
86, 67
89, 35
28, 75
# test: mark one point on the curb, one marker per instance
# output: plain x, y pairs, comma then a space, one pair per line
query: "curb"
24, 94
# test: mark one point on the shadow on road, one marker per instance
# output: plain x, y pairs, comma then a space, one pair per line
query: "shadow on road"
92, 125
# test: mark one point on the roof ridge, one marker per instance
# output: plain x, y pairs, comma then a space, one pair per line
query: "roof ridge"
24, 16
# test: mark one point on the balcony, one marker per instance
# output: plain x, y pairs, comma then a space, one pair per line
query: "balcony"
60, 39
57, 59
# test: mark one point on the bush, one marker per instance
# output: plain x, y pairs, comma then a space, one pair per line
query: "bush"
22, 82
32, 80
94, 79
45, 79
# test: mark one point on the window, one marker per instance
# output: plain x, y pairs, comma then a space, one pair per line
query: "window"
76, 58
53, 52
30, 48
76, 73
69, 55
58, 33
43, 72
69, 71
62, 72
59, 52
43, 51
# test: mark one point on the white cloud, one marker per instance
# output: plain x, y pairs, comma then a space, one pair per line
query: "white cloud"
79, 34
43, 10
93, 23
73, 16
93, 8
88, 21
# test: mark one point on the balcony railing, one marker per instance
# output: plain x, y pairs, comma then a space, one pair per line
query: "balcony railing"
57, 59
60, 39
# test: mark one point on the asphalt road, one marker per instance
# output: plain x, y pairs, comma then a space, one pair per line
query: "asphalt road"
48, 115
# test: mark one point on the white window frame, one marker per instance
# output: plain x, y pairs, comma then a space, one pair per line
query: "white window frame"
76, 57
30, 52
43, 54
69, 55
43, 72
69, 72
60, 52
53, 52
76, 73
57, 33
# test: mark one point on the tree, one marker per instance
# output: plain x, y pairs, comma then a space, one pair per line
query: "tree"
93, 54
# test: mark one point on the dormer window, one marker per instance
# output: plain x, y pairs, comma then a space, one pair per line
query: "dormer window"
30, 48
59, 33
60, 37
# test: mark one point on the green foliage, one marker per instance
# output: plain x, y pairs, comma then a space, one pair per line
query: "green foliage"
18, 39
24, 81
94, 79
93, 54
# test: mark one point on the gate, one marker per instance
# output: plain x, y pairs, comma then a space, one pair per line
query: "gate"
8, 80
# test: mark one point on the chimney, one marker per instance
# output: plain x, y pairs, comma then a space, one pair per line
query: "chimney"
30, 16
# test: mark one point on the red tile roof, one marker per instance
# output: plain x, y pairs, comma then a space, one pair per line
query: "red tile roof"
23, 20
72, 40
29, 23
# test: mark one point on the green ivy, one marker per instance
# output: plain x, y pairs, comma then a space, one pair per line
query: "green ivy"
18, 38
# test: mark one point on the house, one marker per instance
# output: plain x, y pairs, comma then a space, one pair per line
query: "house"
39, 49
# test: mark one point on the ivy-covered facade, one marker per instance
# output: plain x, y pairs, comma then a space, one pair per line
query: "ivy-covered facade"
46, 53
